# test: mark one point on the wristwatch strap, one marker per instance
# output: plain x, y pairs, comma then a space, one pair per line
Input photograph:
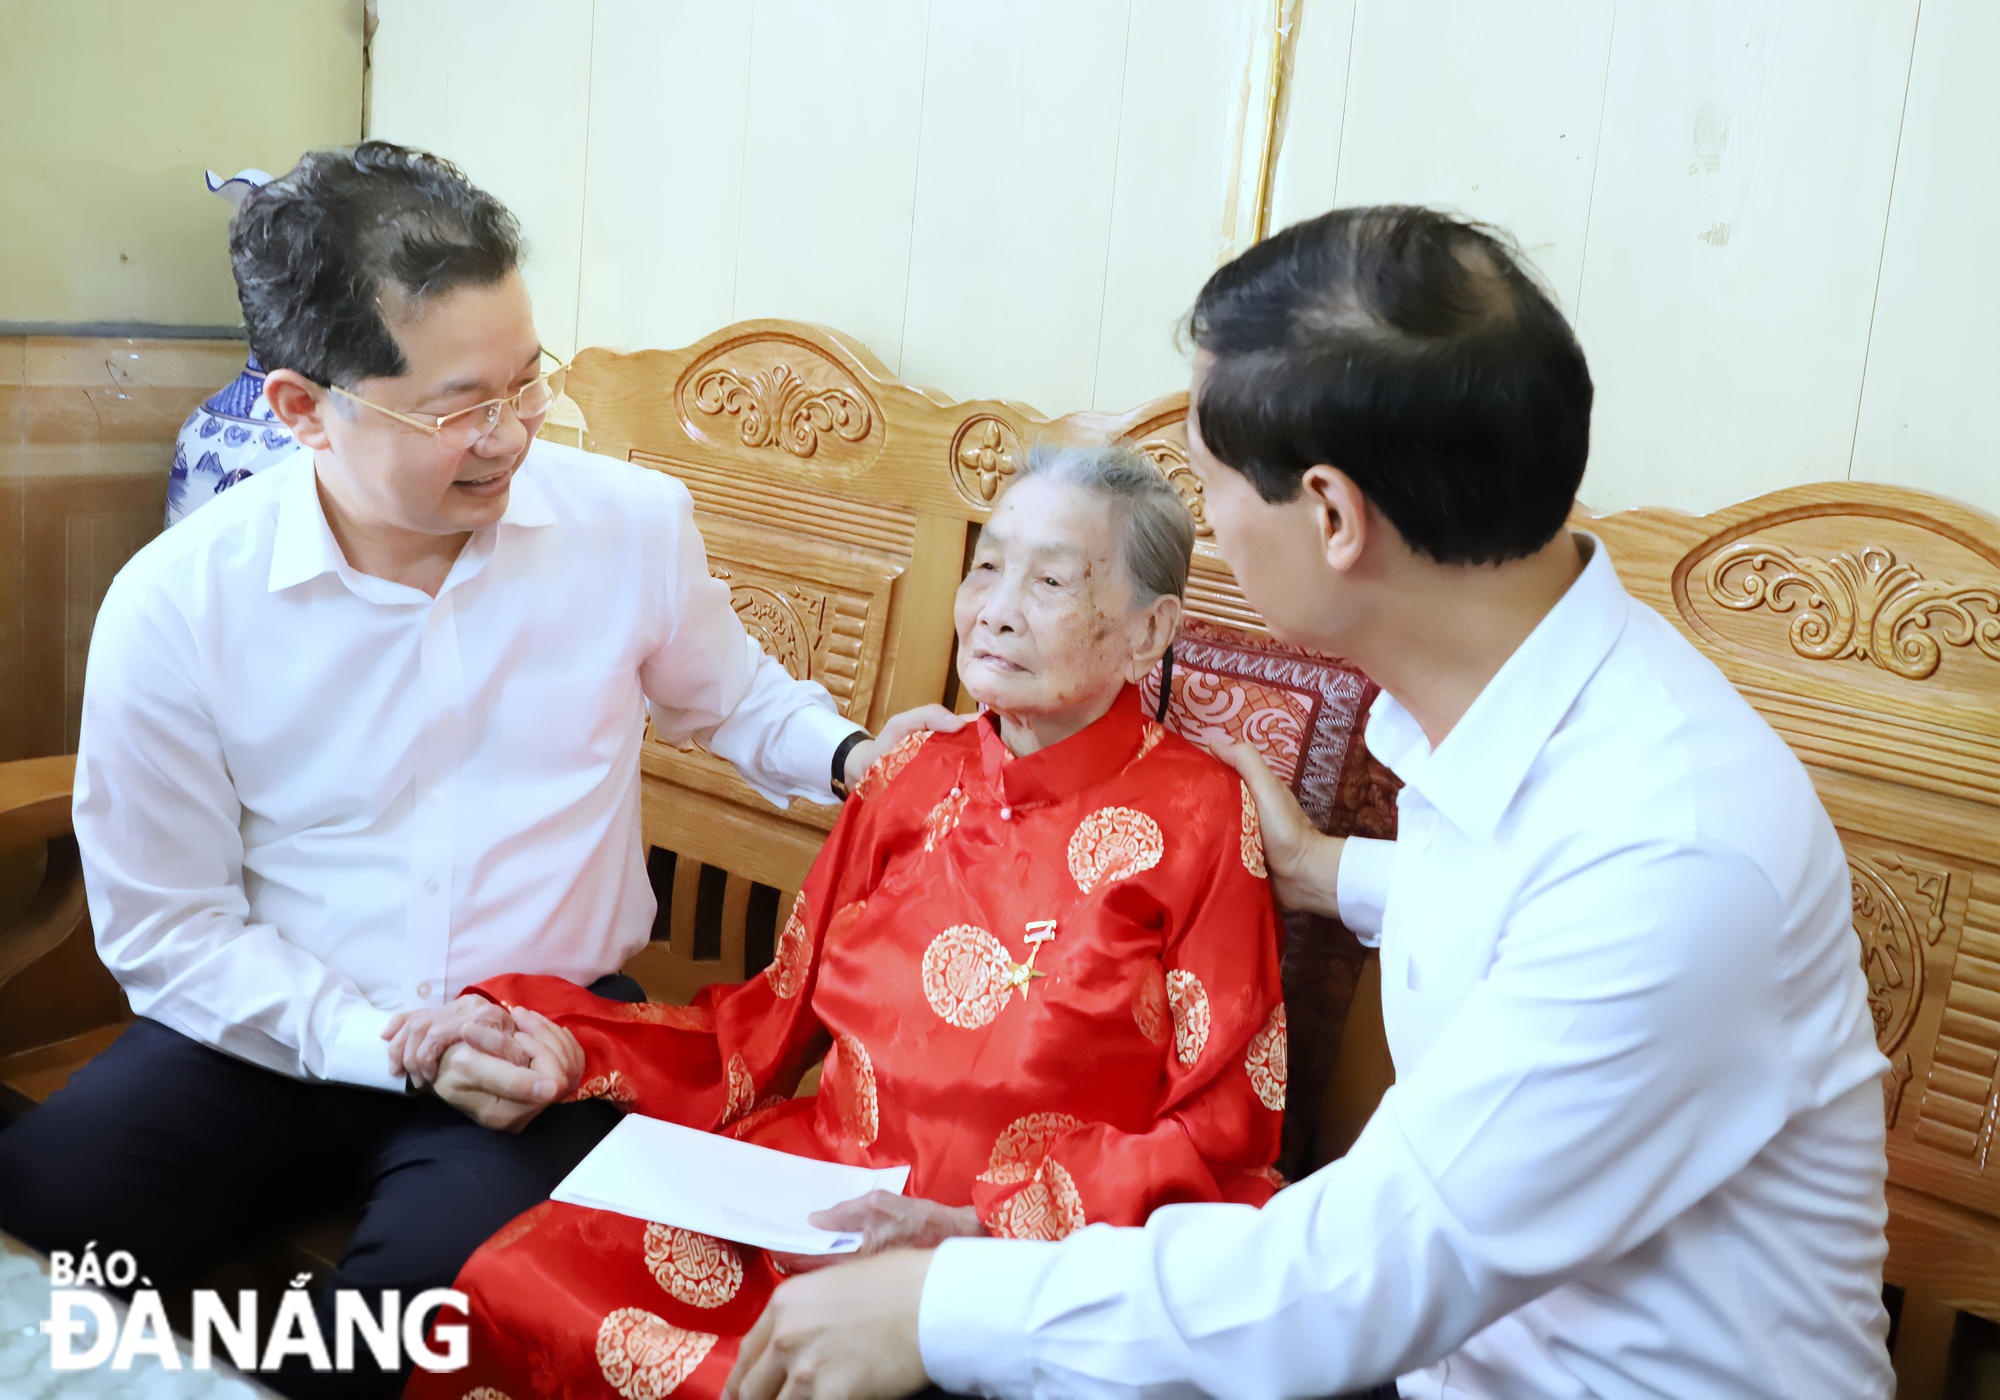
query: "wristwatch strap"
840, 753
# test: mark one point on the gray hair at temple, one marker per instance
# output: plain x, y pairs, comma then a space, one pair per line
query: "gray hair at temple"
1157, 540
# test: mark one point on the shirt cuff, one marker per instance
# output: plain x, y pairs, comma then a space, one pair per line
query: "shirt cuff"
356, 1052
972, 1324
822, 729
1361, 888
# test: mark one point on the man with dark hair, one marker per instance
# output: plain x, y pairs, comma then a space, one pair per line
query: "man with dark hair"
1635, 1146
365, 732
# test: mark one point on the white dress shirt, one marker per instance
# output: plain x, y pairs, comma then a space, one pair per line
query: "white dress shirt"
1635, 1146
308, 797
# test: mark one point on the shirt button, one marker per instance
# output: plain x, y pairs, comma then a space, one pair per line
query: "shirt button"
423, 989
430, 887
1006, 814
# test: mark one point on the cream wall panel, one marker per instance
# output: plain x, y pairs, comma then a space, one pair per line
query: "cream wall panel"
669, 104
409, 73
1014, 191
1742, 186
109, 112
1183, 60
1927, 415
829, 165
1308, 166
1489, 109
517, 129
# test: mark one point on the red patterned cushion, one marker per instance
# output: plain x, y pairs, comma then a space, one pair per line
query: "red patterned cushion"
1305, 714
1303, 711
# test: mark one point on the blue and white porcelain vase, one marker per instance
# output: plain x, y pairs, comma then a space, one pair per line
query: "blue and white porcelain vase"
233, 434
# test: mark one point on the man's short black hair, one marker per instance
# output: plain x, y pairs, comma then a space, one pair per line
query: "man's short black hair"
315, 250
1412, 351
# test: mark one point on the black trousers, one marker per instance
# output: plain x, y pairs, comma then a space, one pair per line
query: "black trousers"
186, 1156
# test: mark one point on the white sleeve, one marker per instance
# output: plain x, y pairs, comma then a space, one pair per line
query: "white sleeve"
708, 681
1618, 1063
156, 819
1361, 888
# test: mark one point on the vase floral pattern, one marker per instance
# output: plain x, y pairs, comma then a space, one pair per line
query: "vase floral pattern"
230, 437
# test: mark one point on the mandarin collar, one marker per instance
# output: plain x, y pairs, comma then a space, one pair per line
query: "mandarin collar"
1092, 755
1472, 777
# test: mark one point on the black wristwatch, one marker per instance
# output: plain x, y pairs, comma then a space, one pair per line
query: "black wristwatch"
840, 753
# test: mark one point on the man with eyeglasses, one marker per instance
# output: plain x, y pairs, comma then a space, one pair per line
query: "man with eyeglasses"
363, 732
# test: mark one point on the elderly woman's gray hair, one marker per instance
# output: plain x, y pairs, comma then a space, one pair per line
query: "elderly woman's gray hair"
1157, 535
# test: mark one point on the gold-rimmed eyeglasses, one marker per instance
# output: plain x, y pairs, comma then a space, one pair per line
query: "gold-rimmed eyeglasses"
467, 427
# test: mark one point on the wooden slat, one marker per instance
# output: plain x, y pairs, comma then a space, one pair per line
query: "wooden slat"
687, 890
735, 915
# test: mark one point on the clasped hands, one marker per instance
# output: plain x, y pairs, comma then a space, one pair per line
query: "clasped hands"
499, 1066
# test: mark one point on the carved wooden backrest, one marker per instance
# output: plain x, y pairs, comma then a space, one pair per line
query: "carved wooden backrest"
1864, 623
837, 503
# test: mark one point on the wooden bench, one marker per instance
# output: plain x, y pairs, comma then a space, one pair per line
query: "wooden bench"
1862, 621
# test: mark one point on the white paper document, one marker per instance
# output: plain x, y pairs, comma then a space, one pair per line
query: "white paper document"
657, 1170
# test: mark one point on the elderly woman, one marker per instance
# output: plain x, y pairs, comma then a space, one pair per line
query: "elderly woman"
1038, 957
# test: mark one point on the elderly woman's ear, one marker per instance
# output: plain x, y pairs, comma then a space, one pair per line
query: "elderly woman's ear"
1154, 630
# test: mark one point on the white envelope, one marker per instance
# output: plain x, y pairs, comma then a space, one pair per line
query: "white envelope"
656, 1170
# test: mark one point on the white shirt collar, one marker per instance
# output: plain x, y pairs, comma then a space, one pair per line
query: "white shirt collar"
303, 547
1472, 777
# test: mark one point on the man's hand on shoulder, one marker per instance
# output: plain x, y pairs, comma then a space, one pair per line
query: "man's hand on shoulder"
862, 756
846, 1333
1304, 864
501, 1094
418, 1039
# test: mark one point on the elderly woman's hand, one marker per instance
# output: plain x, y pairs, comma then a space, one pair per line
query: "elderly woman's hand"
886, 1221
862, 756
418, 1039
1304, 865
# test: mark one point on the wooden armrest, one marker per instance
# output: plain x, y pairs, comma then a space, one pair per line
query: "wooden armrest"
34, 800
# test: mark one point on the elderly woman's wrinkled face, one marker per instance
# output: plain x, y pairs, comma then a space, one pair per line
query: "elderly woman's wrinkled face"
1048, 619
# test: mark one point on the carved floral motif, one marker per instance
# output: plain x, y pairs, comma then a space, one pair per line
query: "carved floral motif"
777, 408
983, 455
815, 633
1893, 941
1867, 606
1171, 458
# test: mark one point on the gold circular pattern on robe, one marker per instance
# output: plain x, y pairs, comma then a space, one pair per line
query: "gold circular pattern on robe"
486, 1392
644, 1357
1024, 1145
610, 1086
850, 1077
883, 770
943, 819
1047, 1208
1113, 843
659, 1013
965, 976
792, 959
742, 1091
1188, 1000
1253, 837
1149, 1004
1265, 1061
1149, 738
697, 1269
